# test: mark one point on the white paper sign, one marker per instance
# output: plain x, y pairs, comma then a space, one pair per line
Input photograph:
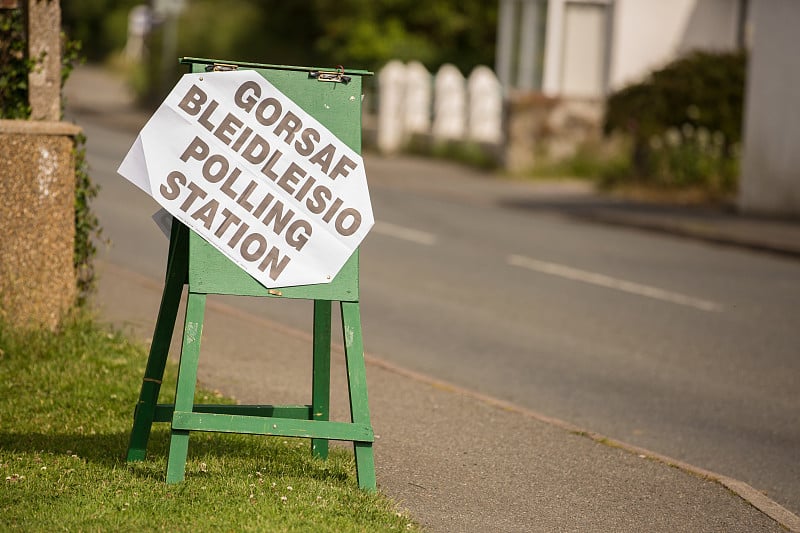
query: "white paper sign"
260, 179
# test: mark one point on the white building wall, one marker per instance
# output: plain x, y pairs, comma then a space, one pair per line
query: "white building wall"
642, 35
713, 25
771, 165
650, 33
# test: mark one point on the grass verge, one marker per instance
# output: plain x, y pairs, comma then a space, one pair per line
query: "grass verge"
66, 403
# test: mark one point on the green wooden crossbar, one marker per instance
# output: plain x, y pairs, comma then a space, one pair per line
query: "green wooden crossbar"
287, 427
163, 412
193, 262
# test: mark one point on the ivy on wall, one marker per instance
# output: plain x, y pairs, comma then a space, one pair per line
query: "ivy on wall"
14, 66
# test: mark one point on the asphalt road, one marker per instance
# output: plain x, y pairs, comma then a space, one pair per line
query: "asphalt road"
682, 347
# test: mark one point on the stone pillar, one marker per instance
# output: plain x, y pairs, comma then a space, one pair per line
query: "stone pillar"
37, 229
449, 104
417, 107
44, 47
37, 188
139, 21
485, 122
391, 83
526, 129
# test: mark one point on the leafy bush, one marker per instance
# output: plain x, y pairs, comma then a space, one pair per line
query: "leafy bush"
684, 121
693, 158
101, 25
86, 223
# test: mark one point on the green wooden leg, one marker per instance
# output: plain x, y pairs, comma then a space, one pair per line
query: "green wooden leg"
357, 383
187, 381
321, 372
365, 466
159, 348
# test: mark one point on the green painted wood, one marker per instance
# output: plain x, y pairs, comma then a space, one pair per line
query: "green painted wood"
163, 412
213, 273
178, 453
354, 358
357, 384
337, 106
187, 382
321, 372
176, 277
365, 466
287, 427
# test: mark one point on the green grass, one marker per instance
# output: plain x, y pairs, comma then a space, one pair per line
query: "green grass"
66, 402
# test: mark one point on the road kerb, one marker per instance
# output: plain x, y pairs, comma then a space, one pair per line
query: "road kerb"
752, 496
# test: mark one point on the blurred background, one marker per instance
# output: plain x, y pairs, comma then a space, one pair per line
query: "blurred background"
146, 39
645, 96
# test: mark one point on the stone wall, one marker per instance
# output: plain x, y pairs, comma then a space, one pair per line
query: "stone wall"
518, 130
37, 227
540, 128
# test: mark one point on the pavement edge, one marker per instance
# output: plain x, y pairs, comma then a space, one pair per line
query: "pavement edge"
752, 496
757, 499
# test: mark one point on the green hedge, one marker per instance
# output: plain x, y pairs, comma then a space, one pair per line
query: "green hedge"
684, 121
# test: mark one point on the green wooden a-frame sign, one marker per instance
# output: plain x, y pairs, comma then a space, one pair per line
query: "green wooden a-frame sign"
330, 98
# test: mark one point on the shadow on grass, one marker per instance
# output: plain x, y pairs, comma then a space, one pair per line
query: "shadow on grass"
105, 449
273, 455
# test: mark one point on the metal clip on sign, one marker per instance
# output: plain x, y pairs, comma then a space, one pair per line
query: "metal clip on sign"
220, 67
336, 76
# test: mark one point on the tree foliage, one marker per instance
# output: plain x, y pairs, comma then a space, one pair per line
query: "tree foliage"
14, 66
440, 31
355, 33
101, 25
248, 30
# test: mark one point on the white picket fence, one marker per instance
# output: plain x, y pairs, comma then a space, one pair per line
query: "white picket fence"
445, 106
